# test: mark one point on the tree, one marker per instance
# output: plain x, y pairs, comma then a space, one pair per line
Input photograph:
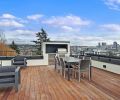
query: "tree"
15, 47
41, 37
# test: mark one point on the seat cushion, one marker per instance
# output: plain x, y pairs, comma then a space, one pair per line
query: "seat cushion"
7, 79
18, 63
7, 69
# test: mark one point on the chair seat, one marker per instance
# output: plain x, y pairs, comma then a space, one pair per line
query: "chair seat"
67, 66
81, 70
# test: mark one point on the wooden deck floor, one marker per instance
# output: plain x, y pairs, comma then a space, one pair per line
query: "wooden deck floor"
43, 83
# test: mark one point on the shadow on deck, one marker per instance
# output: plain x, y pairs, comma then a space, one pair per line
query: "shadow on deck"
43, 83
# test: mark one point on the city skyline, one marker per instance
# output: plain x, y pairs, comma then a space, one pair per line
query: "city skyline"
81, 22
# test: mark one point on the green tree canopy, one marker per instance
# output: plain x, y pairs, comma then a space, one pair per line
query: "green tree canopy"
41, 37
15, 47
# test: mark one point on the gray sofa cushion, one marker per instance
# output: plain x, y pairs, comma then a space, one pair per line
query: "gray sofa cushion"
7, 79
7, 69
19, 58
18, 63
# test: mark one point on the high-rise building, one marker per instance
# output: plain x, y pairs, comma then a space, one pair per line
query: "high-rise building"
99, 45
115, 45
104, 44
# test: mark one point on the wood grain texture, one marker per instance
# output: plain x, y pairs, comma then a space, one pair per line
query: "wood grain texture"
43, 83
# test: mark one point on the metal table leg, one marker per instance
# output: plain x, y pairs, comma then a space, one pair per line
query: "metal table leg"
68, 71
55, 64
90, 71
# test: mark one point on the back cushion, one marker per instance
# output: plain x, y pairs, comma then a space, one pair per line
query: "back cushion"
85, 64
19, 58
7, 69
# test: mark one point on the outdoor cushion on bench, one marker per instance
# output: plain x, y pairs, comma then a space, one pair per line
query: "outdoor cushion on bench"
19, 61
10, 76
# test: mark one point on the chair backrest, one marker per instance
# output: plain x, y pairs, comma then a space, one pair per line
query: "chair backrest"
58, 60
84, 64
81, 57
62, 63
7, 69
86, 58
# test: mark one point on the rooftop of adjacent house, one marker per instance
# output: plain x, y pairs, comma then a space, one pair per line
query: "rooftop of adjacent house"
44, 83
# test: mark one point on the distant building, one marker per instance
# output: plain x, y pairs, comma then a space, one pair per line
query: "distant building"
104, 44
99, 45
75, 49
115, 45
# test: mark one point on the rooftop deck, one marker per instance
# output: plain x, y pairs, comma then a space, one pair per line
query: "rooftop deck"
43, 83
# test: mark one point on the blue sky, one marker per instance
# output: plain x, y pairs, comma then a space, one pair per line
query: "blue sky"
83, 22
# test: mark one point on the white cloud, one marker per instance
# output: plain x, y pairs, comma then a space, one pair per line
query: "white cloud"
8, 20
20, 36
10, 23
69, 20
77, 39
8, 16
86, 40
111, 27
113, 4
24, 31
35, 17
70, 29
69, 23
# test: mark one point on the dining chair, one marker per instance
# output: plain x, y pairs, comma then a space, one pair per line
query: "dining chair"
65, 67
58, 65
86, 57
83, 66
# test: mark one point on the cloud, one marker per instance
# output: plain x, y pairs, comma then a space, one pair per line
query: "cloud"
69, 20
10, 23
24, 31
8, 20
111, 27
70, 29
7, 16
68, 23
113, 4
20, 36
35, 17
86, 39
77, 39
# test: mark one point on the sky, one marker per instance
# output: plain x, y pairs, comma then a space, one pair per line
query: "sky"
82, 22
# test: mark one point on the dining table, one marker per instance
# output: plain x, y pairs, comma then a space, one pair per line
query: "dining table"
72, 60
